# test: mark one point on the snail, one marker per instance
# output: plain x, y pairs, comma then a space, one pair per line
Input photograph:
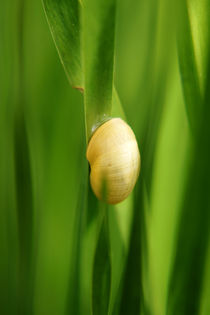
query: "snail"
114, 160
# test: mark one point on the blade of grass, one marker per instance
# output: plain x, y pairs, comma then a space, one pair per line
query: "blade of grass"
23, 178
198, 11
120, 223
101, 280
131, 290
9, 242
64, 22
204, 302
188, 68
98, 55
25, 214
74, 288
205, 133
90, 232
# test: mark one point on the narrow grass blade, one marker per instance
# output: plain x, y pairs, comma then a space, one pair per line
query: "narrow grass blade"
188, 67
131, 291
64, 23
120, 224
205, 133
25, 215
91, 224
23, 177
98, 45
101, 281
74, 288
9, 241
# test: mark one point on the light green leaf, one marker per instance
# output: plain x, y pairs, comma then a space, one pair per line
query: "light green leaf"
98, 55
188, 68
64, 23
101, 281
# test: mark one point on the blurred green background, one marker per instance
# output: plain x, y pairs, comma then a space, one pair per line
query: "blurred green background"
159, 238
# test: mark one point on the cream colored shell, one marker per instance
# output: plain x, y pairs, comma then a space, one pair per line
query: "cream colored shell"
114, 159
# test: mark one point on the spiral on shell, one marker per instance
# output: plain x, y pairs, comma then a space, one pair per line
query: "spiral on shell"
114, 160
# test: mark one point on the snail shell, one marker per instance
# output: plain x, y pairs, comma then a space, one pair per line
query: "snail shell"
114, 159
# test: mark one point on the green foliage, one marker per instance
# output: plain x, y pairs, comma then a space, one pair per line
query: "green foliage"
62, 251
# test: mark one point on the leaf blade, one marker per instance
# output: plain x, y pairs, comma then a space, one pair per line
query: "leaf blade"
188, 68
64, 22
98, 46
101, 280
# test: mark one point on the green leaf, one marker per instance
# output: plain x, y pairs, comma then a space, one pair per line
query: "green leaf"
73, 299
64, 22
23, 176
25, 214
101, 281
98, 55
130, 300
120, 224
188, 68
205, 133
